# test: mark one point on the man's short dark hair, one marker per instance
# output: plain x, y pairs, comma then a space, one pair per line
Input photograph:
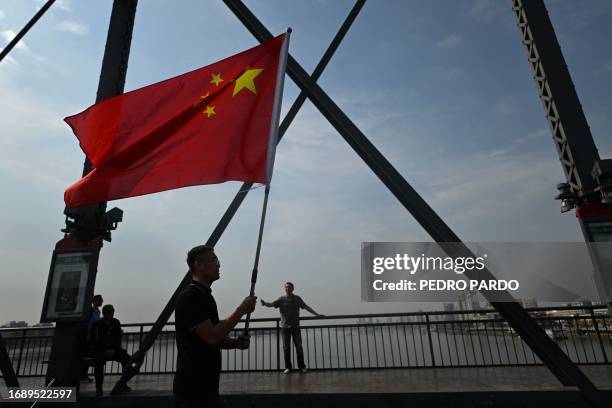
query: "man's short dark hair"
97, 297
196, 251
107, 308
290, 284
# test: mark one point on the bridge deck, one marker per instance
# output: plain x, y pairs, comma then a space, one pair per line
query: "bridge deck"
377, 381
396, 383
533, 378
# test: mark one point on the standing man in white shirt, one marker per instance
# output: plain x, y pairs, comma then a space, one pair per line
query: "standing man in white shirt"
289, 307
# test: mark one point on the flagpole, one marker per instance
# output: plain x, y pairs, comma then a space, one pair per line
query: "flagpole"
272, 141
257, 252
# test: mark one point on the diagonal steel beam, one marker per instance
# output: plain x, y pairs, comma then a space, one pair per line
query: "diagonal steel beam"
6, 367
544, 347
25, 29
162, 320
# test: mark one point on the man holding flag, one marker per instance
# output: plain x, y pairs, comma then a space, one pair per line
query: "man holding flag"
200, 335
211, 125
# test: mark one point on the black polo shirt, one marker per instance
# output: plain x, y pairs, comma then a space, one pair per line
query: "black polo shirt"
198, 364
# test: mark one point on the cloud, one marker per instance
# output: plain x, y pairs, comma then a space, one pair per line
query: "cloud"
451, 41
64, 5
8, 35
505, 108
449, 72
9, 59
29, 122
581, 18
495, 176
488, 10
72, 26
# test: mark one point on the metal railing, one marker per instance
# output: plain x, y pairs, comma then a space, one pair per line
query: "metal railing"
475, 338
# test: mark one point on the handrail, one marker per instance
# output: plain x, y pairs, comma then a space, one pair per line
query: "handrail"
371, 315
458, 338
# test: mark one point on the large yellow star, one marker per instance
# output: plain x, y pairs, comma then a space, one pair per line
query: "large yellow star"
216, 79
246, 81
209, 111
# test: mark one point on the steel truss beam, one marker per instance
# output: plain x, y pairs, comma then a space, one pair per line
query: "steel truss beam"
64, 360
569, 127
162, 320
570, 130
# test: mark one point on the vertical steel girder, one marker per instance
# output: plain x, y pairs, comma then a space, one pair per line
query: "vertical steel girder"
164, 316
544, 347
116, 54
64, 361
569, 127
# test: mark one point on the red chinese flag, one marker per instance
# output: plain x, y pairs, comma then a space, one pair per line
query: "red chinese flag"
207, 126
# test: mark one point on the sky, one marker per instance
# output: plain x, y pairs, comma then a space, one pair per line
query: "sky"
443, 89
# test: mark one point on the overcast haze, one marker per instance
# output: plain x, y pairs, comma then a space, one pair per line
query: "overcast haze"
442, 88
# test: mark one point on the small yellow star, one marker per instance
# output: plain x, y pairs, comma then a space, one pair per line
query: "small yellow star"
216, 79
202, 98
209, 111
197, 104
246, 81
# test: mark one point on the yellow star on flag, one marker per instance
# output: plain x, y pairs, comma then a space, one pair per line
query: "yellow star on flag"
201, 101
216, 79
246, 81
209, 111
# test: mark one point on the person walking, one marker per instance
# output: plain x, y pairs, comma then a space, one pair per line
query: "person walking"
94, 316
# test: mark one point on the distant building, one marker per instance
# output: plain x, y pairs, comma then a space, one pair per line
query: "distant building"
14, 323
471, 300
583, 303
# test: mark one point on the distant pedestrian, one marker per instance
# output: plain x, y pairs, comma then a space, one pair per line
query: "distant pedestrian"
289, 306
200, 335
94, 316
106, 341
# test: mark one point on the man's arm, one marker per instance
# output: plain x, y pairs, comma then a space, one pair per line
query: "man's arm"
241, 342
117, 335
304, 306
271, 304
213, 334
228, 343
